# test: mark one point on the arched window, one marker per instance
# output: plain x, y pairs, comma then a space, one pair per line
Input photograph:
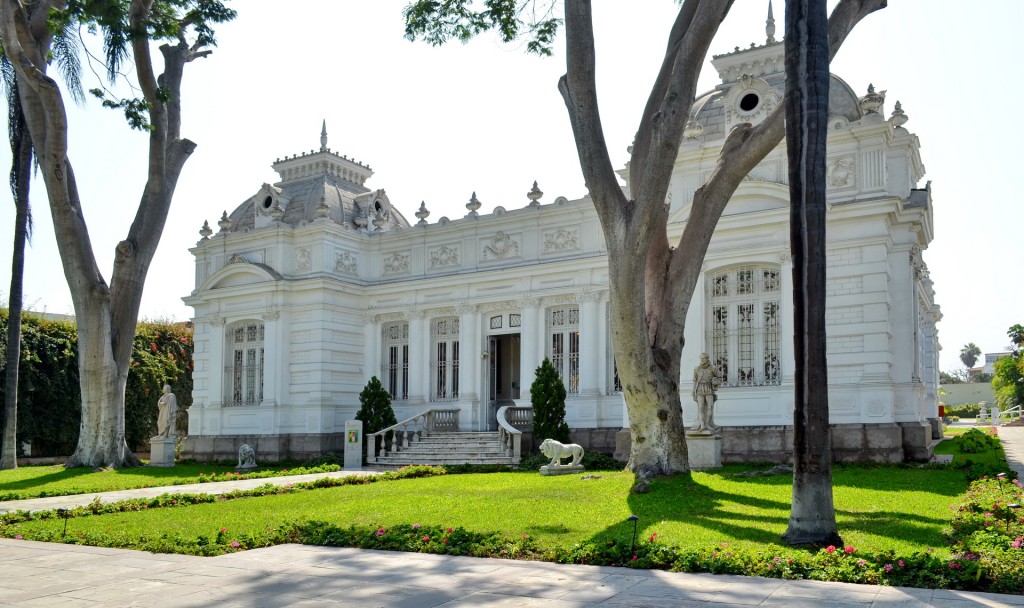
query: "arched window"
444, 364
563, 348
245, 365
396, 360
742, 328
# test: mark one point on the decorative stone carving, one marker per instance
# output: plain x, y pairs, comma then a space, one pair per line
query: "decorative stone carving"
562, 239
473, 205
587, 296
872, 102
498, 306
422, 213
303, 259
899, 117
693, 129
394, 316
528, 302
841, 172
413, 315
465, 309
246, 458
396, 262
205, 231
750, 100
216, 321
345, 262
501, 246
534, 195
167, 418
445, 255
224, 222
271, 315
562, 299
237, 259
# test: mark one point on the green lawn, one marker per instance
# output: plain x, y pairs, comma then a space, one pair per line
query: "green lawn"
55, 480
902, 509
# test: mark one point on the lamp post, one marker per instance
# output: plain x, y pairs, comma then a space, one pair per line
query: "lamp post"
632, 545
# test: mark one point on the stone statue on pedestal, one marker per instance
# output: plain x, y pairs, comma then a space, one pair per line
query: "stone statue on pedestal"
166, 421
705, 386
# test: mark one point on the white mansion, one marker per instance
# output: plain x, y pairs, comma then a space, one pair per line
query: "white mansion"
316, 283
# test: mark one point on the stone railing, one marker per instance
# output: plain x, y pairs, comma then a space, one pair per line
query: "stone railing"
1010, 415
409, 430
511, 419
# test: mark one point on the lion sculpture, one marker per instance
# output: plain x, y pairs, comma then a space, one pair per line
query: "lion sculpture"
556, 451
246, 457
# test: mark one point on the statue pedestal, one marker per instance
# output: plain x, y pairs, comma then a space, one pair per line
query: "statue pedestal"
567, 469
705, 449
161, 451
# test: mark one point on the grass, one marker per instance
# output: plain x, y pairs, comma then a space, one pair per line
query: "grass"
878, 508
55, 480
987, 457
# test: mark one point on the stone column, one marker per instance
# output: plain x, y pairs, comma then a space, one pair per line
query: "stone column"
469, 352
603, 352
275, 348
531, 350
215, 363
372, 339
419, 357
590, 353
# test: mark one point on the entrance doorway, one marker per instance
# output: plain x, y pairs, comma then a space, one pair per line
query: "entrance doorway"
502, 374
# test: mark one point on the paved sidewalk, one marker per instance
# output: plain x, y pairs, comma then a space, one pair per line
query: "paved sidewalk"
214, 487
1013, 445
43, 574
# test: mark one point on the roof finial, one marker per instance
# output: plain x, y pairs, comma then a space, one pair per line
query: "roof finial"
769, 28
323, 137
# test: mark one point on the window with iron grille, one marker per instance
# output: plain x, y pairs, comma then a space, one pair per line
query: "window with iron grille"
245, 366
444, 364
742, 327
396, 360
563, 348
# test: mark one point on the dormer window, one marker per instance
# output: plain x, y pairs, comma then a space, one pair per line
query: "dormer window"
748, 103
268, 202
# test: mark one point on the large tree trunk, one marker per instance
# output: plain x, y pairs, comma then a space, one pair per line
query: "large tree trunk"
813, 518
106, 315
21, 173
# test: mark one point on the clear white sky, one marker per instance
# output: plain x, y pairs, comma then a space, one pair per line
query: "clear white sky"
437, 124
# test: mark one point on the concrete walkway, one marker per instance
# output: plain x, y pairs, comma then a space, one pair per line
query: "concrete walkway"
1013, 445
213, 487
43, 574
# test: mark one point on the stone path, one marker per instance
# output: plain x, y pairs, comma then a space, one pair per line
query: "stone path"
1013, 444
67, 576
214, 487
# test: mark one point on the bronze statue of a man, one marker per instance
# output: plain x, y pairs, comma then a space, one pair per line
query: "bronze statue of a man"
705, 385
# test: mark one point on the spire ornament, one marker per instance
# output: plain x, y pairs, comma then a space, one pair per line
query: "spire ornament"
224, 222
534, 195
205, 231
769, 27
422, 214
473, 205
899, 117
323, 137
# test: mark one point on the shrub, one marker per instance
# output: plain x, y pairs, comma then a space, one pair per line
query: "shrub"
547, 396
975, 440
967, 410
375, 409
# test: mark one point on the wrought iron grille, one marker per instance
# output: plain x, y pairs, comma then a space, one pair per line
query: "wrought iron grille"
444, 334
564, 332
743, 328
246, 366
396, 364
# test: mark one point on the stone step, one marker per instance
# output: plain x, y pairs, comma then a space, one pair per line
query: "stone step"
397, 460
445, 447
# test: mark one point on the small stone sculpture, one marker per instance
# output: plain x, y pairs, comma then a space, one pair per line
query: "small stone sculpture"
705, 385
168, 414
246, 457
556, 451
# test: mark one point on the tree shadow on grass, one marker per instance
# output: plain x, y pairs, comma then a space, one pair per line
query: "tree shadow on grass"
58, 474
761, 520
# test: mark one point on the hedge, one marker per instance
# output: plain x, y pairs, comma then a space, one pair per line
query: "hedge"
49, 398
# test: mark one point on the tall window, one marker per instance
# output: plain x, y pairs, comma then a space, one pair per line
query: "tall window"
564, 345
444, 346
396, 360
743, 325
245, 368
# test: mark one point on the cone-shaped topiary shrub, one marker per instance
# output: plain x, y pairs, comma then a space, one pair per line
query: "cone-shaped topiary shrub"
547, 396
375, 409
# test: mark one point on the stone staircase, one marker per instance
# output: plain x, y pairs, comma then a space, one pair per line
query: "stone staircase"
450, 447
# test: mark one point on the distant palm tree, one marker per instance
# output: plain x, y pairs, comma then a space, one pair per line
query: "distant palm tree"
969, 354
65, 55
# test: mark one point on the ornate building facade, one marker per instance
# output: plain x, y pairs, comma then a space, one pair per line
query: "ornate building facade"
317, 282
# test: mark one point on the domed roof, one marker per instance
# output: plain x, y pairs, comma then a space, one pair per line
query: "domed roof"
319, 185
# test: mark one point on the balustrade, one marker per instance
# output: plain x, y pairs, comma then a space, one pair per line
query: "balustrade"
404, 433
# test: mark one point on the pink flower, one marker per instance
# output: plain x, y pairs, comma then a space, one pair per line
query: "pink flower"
415, 526
861, 563
654, 535
830, 549
174, 502
634, 558
235, 544
849, 549
223, 530
524, 537
449, 530
901, 563
954, 565
789, 561
444, 540
888, 567
777, 559
18, 537
380, 531
426, 538
1017, 543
